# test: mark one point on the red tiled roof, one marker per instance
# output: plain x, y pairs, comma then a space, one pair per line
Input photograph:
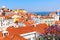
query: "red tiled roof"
17, 37
1, 37
20, 30
46, 17
29, 22
20, 19
8, 16
40, 28
57, 22
14, 32
11, 36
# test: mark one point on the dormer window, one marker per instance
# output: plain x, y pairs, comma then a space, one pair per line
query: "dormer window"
5, 33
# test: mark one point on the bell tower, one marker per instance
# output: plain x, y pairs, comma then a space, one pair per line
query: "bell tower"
57, 15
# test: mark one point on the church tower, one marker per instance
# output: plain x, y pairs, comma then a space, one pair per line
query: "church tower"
57, 15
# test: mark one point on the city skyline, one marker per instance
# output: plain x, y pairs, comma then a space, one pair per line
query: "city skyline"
32, 5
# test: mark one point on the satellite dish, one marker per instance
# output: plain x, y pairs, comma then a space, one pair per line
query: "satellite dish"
3, 6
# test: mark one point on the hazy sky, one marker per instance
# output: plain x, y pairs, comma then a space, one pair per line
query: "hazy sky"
32, 5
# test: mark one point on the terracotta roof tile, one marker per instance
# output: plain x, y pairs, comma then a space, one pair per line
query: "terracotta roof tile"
8, 16
57, 22
46, 17
17, 37
20, 30
29, 22
41, 28
20, 19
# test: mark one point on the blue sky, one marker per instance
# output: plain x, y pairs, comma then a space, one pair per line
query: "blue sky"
32, 5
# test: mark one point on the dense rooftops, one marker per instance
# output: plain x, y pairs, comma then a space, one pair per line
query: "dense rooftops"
19, 21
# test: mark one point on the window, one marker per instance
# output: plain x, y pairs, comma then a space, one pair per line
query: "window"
5, 33
29, 39
33, 38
